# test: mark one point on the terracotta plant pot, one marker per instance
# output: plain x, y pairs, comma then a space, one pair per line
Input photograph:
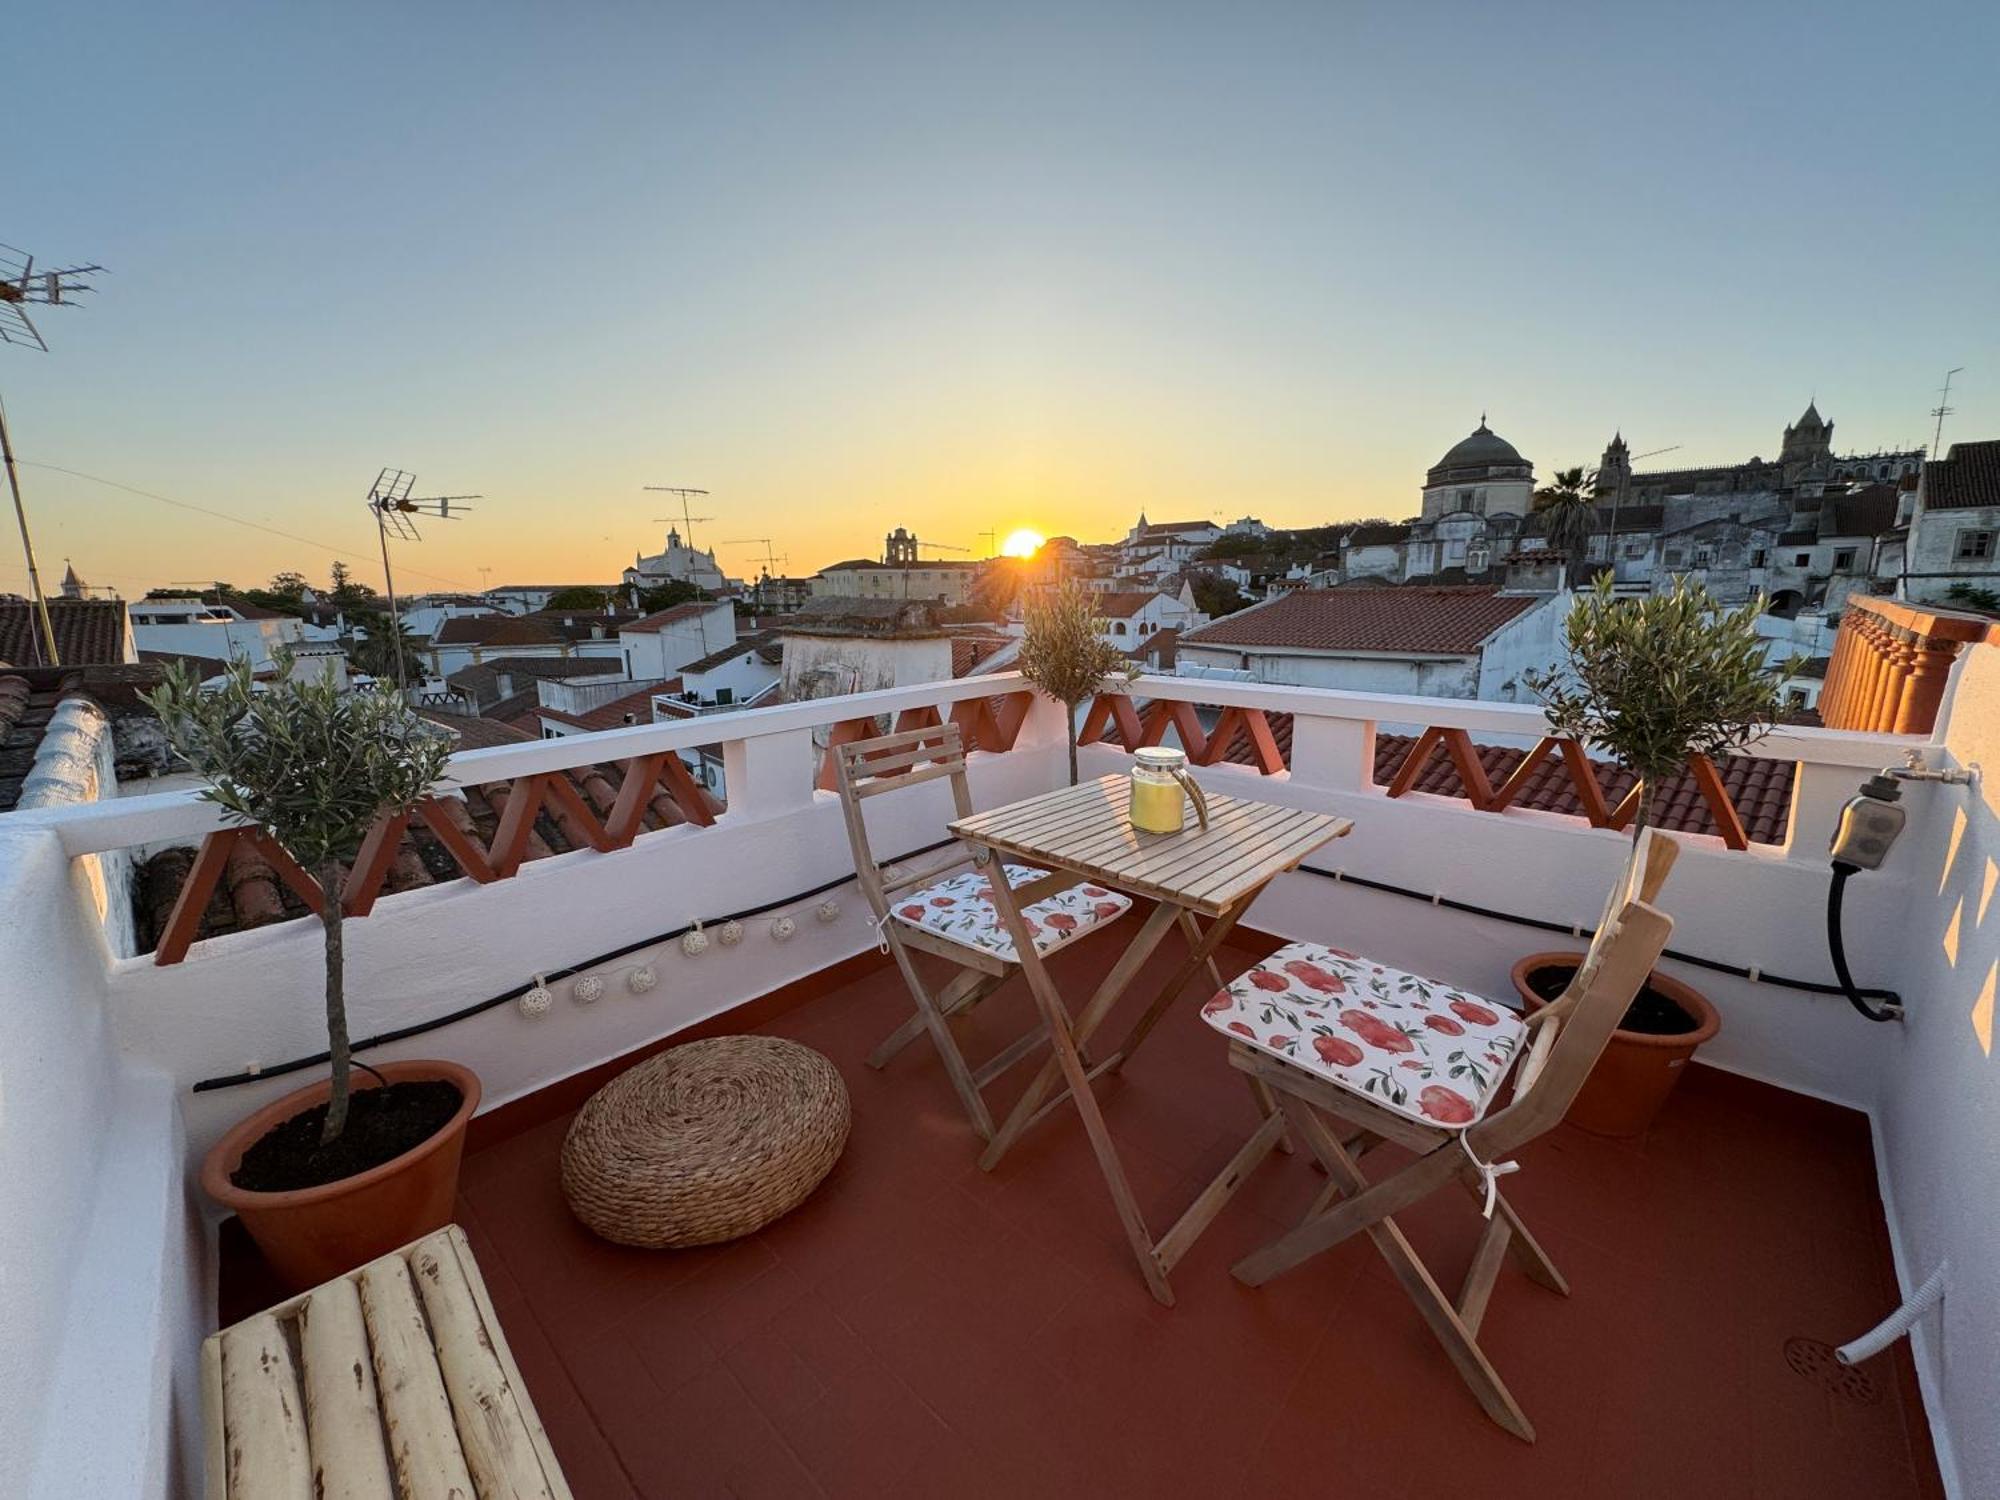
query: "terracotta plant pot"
313, 1234
1638, 1070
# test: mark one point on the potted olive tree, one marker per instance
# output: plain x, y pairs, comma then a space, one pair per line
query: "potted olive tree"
329, 1176
1064, 655
1652, 681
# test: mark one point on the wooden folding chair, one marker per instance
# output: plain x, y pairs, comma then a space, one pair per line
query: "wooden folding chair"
921, 905
1358, 1054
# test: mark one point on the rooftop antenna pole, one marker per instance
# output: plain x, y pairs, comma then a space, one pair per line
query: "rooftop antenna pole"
48, 630
389, 499
1942, 410
21, 288
686, 493
771, 559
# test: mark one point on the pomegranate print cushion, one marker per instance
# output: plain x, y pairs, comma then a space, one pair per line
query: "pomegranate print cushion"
1413, 1045
961, 909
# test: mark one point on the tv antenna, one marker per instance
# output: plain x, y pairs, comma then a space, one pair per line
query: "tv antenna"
771, 559
686, 494
992, 537
1943, 409
22, 287
395, 511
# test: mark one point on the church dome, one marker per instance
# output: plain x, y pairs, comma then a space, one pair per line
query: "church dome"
1482, 455
1485, 446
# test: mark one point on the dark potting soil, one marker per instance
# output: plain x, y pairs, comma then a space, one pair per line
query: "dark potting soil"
1650, 1014
382, 1123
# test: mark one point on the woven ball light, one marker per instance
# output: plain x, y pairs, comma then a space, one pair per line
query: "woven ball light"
706, 1142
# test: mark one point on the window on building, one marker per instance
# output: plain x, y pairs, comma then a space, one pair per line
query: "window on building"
1704, 557
1757, 558
1802, 560
1795, 698
1465, 499
1843, 560
1674, 557
1117, 627
1974, 546
1476, 558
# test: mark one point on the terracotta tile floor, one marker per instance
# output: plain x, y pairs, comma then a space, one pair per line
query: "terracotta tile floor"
921, 1328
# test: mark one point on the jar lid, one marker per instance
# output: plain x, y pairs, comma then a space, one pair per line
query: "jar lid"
1160, 757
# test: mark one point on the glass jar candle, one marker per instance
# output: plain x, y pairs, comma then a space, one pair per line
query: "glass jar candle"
1160, 789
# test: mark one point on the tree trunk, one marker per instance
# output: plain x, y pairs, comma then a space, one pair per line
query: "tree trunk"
336, 1002
1072, 744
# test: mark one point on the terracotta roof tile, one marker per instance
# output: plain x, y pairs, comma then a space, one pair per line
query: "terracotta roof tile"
496, 630
1967, 477
249, 895
89, 632
1446, 620
654, 623
1760, 789
1123, 603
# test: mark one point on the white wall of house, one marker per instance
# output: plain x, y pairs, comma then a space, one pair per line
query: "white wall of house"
1938, 1119
743, 676
662, 651
818, 666
1952, 546
190, 628
1413, 674
1161, 612
1530, 642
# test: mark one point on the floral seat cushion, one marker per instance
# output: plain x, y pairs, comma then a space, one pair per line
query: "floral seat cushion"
1412, 1045
960, 909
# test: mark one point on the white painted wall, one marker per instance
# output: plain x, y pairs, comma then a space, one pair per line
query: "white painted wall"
1939, 1116
1531, 641
659, 654
1358, 672
819, 666
102, 1296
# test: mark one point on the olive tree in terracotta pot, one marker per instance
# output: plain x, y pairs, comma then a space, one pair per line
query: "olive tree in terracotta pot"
328, 1176
1064, 655
1652, 681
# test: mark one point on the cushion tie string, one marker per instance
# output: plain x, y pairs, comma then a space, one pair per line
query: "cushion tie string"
881, 926
1490, 1172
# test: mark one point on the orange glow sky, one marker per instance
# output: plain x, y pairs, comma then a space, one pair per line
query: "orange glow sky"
1035, 267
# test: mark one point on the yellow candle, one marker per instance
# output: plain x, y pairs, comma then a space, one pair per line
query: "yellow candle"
1157, 805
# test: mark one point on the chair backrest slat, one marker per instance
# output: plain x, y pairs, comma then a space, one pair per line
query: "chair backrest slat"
1567, 1046
887, 763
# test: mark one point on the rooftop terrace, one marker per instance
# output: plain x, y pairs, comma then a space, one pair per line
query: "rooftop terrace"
922, 1327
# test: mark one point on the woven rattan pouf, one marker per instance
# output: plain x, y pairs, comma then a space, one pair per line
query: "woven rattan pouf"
706, 1142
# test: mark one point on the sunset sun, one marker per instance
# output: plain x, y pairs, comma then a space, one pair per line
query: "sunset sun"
1022, 543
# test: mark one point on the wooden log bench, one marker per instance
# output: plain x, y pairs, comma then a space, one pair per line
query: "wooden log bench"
393, 1382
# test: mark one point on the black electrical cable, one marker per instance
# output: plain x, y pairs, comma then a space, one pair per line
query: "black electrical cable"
1837, 947
1714, 965
419, 1028
465, 1013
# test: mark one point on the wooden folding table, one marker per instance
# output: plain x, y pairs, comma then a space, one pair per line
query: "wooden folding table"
1213, 873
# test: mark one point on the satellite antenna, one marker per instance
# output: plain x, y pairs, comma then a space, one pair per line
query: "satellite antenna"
22, 287
686, 494
395, 515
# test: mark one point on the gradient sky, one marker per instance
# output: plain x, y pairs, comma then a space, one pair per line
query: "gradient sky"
959, 267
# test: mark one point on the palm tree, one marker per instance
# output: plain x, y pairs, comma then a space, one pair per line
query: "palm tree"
375, 652
1569, 515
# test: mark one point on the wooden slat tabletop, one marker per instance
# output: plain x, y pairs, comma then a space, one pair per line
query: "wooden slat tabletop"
1085, 828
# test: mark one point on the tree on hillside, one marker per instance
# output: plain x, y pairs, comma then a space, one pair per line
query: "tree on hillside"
1569, 516
346, 591
667, 595
581, 596
1216, 596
